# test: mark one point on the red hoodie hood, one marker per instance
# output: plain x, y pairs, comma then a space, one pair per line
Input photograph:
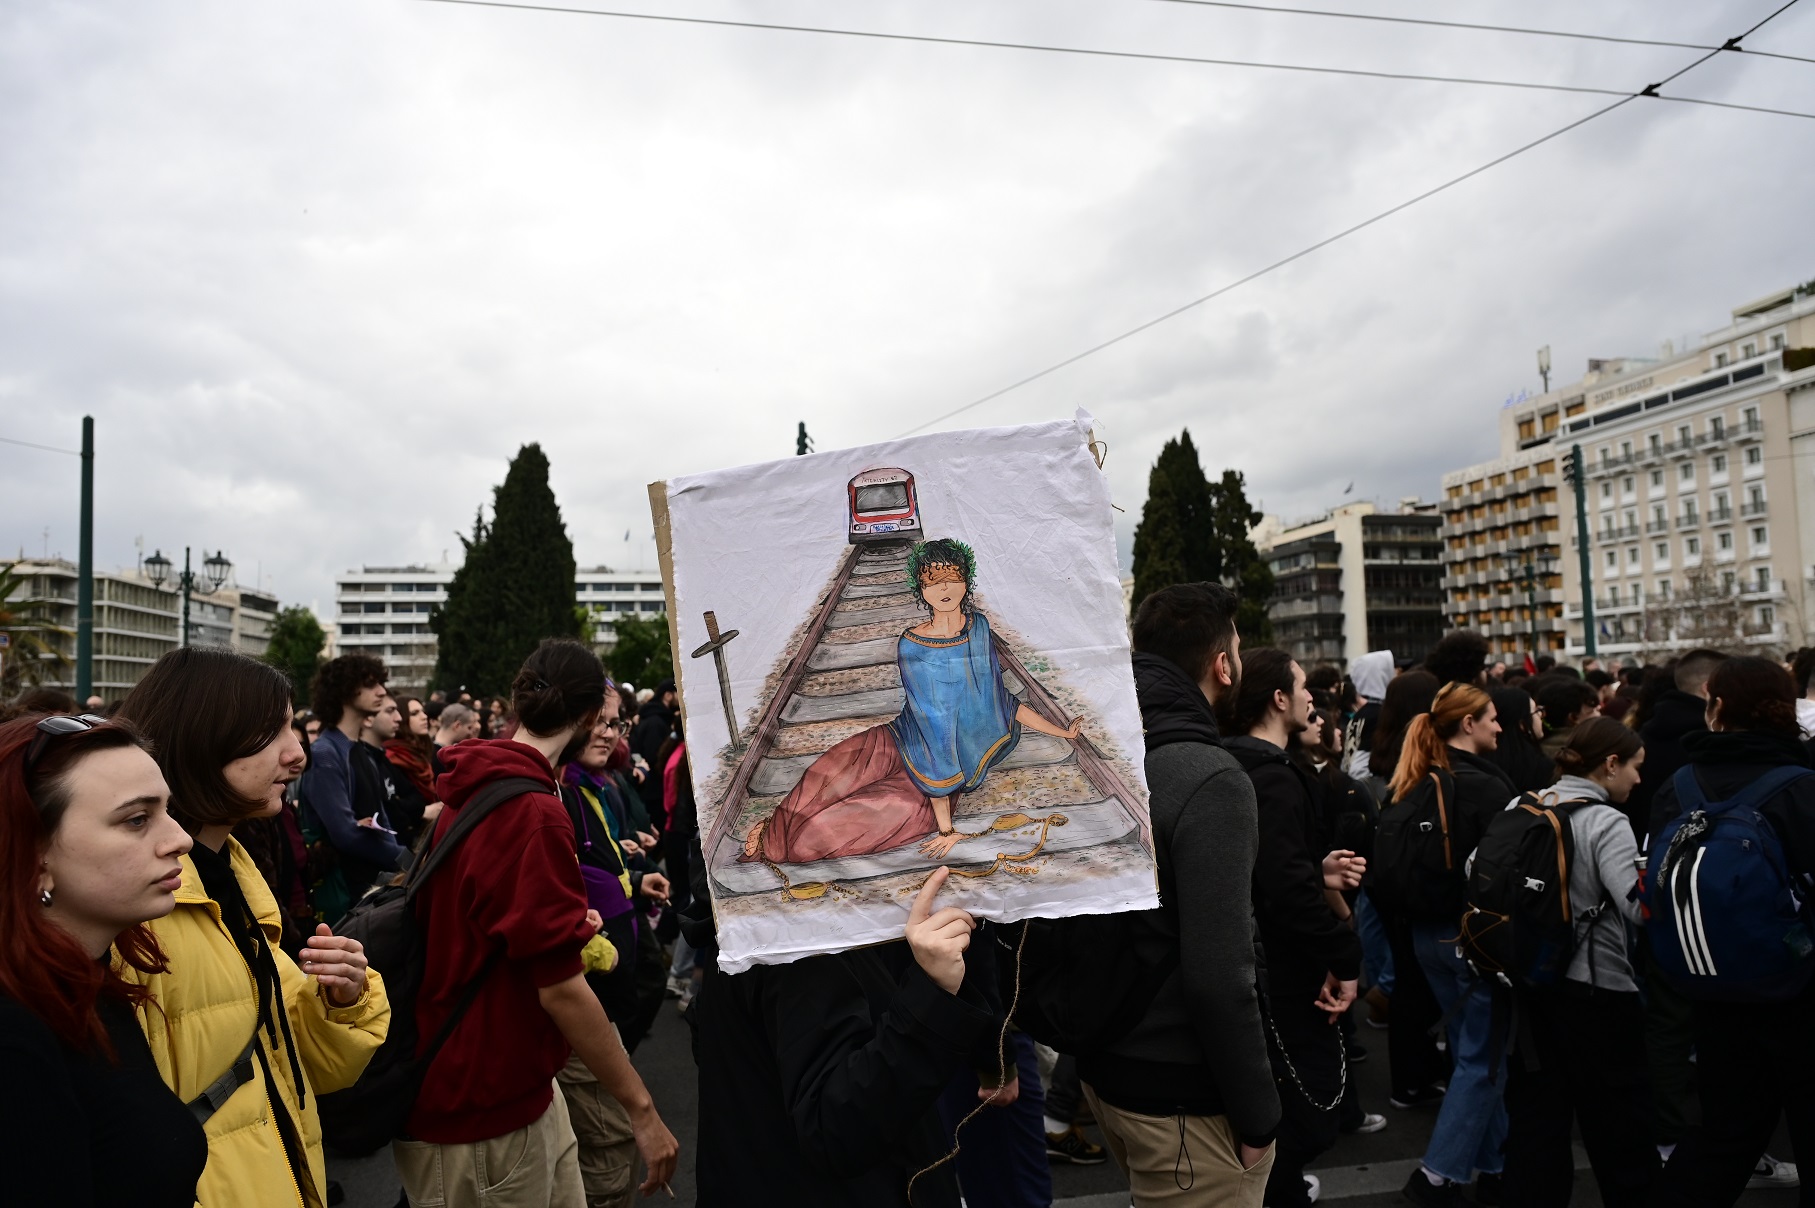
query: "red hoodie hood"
476, 762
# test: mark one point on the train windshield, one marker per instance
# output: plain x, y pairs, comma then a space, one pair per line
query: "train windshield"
887, 497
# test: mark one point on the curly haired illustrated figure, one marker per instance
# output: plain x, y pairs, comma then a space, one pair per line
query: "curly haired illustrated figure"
896, 783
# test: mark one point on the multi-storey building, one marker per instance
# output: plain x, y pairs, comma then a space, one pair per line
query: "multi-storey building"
384, 611
1355, 579
1502, 555
1698, 484
136, 622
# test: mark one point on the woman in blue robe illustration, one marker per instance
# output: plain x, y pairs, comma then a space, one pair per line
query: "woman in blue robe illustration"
892, 784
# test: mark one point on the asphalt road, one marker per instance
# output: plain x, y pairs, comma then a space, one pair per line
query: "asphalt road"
1360, 1172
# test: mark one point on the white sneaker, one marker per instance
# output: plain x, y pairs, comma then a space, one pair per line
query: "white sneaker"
1372, 1122
1313, 1186
1771, 1173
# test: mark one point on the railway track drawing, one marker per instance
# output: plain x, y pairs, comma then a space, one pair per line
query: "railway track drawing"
1051, 799
901, 657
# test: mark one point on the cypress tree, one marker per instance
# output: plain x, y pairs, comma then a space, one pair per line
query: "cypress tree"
515, 587
1173, 541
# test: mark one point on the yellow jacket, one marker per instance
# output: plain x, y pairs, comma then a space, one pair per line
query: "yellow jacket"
203, 1012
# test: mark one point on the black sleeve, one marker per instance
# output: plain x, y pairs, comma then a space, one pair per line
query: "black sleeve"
854, 1086
1212, 851
1288, 880
43, 1129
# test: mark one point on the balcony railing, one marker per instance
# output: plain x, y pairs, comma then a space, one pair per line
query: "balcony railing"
1657, 526
1689, 520
1751, 429
1750, 510
1721, 516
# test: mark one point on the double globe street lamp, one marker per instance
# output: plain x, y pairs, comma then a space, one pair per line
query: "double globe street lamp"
216, 571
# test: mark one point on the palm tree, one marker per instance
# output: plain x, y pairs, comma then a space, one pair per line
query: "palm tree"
33, 647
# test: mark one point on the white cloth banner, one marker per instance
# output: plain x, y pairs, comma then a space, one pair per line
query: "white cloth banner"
901, 656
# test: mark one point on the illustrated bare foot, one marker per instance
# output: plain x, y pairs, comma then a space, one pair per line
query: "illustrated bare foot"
754, 841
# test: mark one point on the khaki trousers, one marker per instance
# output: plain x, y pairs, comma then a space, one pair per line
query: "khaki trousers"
608, 1150
534, 1167
1180, 1161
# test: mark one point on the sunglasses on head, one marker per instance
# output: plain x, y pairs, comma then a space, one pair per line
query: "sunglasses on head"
56, 726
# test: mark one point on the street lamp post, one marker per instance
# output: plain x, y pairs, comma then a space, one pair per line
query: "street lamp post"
1544, 366
216, 570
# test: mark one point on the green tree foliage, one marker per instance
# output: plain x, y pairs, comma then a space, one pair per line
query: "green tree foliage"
1195, 531
1237, 562
1172, 541
642, 655
36, 641
296, 644
515, 587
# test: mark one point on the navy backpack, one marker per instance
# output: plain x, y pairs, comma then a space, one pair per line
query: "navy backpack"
1727, 919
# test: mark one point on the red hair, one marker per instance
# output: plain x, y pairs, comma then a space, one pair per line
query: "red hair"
1427, 737
42, 966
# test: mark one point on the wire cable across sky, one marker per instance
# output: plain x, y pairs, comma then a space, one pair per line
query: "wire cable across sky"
1363, 225
1731, 44
1096, 52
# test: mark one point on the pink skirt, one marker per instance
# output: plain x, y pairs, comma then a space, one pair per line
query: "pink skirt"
855, 799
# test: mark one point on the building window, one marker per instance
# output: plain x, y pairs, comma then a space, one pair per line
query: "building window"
1755, 456
1720, 463
1613, 594
1729, 582
1606, 491
1777, 342
1692, 547
1759, 535
1657, 478
1684, 436
1755, 497
1687, 472
1632, 555
1750, 415
1723, 541
1747, 351
1767, 616
1762, 577
1717, 426
1626, 485
1663, 589
1613, 559
1720, 360
1661, 551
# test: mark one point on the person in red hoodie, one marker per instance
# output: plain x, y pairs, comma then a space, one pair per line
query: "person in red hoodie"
508, 910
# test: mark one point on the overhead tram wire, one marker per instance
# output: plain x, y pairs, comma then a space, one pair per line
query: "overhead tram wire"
1731, 44
1094, 52
1339, 235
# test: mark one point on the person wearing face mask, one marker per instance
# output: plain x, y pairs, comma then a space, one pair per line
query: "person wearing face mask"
88, 855
1580, 1052
243, 1034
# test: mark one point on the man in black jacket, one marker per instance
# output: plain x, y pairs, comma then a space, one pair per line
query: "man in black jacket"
818, 1079
1189, 1088
1313, 958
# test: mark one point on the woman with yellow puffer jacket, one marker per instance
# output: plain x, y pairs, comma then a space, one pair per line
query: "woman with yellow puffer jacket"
240, 1031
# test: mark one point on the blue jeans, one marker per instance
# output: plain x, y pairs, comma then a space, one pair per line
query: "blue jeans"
1002, 1163
1376, 948
1471, 1127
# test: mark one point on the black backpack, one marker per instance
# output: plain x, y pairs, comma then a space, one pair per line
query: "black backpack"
1416, 874
1519, 926
1084, 981
372, 1112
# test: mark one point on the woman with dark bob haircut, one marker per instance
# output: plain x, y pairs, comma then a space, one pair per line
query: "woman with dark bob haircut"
236, 1017
88, 855
1752, 1060
1581, 1044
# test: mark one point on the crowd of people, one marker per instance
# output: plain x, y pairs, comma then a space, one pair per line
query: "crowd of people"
1527, 876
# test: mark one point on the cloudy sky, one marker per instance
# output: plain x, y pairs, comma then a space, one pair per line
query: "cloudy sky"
319, 267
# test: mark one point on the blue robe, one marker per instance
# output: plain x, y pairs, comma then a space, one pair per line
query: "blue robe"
957, 721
